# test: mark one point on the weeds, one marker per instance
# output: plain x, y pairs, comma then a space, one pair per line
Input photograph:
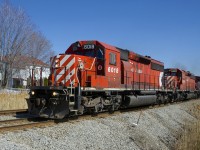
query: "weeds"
9, 101
190, 139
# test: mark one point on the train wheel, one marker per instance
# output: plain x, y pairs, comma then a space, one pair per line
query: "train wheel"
111, 109
95, 111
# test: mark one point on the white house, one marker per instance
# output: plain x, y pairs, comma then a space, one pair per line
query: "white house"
28, 69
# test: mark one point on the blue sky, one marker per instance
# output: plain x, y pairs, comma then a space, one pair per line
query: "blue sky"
167, 30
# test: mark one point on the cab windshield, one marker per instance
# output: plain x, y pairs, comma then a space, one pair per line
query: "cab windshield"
91, 53
172, 72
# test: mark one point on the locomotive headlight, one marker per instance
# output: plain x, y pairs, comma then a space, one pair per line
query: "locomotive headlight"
57, 60
55, 93
57, 63
32, 93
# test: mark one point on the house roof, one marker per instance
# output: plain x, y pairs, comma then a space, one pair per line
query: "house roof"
23, 61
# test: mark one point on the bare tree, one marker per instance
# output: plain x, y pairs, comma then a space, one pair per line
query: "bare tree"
39, 47
18, 36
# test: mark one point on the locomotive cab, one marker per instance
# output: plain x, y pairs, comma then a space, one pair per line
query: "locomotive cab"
172, 78
90, 49
100, 64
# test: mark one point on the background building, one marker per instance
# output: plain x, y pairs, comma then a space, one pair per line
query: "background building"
25, 70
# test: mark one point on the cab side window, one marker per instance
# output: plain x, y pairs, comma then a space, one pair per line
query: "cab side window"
112, 59
100, 54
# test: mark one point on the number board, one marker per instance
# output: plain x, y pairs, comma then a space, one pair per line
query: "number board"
88, 46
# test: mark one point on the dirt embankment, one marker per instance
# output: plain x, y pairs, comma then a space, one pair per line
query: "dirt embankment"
190, 138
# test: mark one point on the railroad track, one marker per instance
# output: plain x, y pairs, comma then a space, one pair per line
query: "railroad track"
21, 120
23, 124
27, 123
9, 112
12, 121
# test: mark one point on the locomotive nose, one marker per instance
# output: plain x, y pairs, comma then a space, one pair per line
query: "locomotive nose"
49, 103
63, 70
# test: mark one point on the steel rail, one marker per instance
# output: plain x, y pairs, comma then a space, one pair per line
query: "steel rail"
26, 126
13, 120
7, 112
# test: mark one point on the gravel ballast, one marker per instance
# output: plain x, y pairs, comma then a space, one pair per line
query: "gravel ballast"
158, 128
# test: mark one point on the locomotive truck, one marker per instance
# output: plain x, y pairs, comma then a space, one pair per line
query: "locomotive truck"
92, 77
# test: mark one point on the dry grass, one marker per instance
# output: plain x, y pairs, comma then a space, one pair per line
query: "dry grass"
9, 101
190, 139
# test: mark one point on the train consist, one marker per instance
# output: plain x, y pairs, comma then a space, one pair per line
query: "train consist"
92, 77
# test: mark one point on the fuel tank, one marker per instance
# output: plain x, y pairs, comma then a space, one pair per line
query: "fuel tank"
148, 92
140, 100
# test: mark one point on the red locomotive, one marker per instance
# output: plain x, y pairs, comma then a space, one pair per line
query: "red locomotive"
93, 76
180, 82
